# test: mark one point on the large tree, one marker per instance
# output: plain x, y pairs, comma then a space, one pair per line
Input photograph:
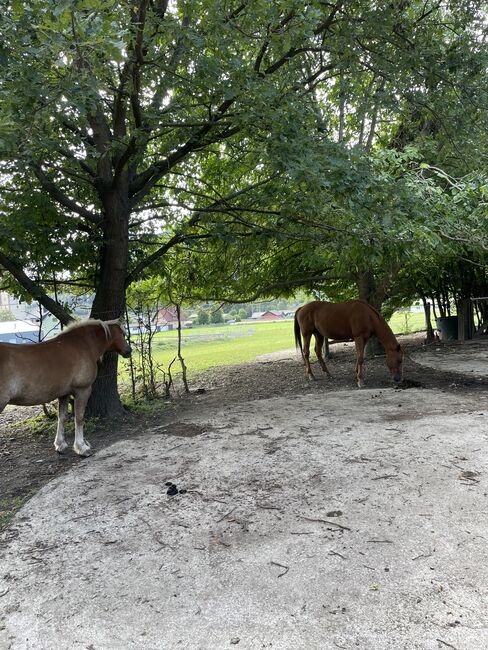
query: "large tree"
103, 103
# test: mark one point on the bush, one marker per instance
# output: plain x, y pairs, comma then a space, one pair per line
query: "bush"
216, 316
6, 314
202, 318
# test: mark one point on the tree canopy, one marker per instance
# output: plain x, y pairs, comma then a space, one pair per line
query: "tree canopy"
237, 148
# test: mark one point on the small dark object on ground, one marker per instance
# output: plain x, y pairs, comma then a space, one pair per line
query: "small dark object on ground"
334, 513
409, 383
172, 489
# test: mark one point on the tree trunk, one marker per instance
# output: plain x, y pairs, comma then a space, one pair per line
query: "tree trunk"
109, 302
104, 400
428, 324
369, 290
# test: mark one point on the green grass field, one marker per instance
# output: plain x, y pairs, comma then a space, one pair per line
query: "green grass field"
221, 345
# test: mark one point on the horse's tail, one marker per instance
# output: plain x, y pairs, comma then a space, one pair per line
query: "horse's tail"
298, 334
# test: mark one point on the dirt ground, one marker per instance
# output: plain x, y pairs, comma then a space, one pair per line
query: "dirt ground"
28, 460
262, 511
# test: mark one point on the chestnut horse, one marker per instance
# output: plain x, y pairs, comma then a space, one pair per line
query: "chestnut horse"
354, 319
58, 368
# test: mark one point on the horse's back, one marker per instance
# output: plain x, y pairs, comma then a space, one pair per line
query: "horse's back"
340, 320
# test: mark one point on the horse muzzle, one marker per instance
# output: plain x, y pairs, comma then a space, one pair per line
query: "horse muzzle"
397, 379
127, 353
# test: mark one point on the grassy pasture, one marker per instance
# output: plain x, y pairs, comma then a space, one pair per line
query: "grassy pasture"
220, 345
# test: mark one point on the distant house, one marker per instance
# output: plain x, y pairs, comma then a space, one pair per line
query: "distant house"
167, 319
18, 331
271, 314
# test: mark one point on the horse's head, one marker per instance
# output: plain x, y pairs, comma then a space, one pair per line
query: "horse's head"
118, 342
394, 360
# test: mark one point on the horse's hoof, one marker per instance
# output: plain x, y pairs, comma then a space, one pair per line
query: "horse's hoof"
61, 448
84, 450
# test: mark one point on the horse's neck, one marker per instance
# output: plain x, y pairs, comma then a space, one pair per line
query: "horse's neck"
102, 342
383, 331
93, 337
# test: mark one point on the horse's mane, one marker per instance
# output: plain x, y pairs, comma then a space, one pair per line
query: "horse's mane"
365, 302
78, 324
381, 319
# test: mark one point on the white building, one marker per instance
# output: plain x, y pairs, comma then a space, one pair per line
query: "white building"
18, 331
19, 309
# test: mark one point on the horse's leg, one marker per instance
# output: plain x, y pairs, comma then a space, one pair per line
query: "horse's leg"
306, 355
360, 343
319, 344
81, 446
60, 443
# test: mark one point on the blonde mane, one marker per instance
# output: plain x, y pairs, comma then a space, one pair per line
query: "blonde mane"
94, 321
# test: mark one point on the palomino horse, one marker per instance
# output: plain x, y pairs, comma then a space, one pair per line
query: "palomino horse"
354, 319
58, 368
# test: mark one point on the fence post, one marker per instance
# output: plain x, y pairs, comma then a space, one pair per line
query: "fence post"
469, 318
462, 320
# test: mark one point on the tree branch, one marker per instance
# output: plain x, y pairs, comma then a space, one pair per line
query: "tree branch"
294, 51
35, 290
56, 194
174, 241
143, 183
74, 128
69, 155
266, 290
